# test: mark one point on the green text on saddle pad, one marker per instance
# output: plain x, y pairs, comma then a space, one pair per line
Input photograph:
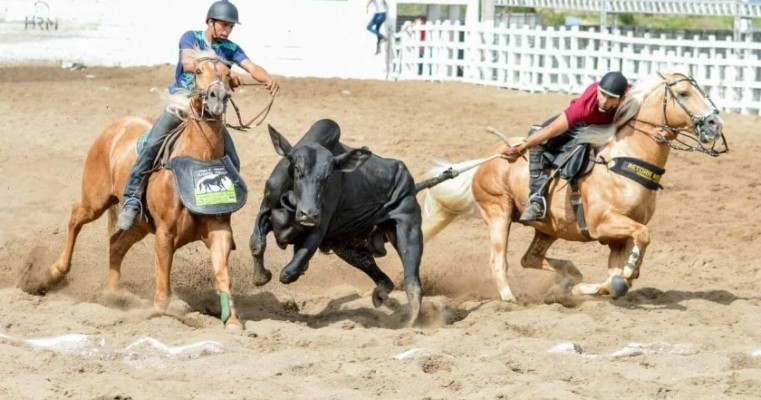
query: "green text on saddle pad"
208, 188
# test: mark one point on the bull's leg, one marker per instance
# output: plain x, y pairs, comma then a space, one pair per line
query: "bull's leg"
303, 250
258, 243
219, 240
360, 257
409, 245
120, 243
629, 240
496, 211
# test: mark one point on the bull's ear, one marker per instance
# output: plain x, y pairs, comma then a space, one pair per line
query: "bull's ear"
352, 160
281, 144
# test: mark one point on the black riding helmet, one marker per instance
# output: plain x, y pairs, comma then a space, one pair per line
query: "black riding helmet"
223, 11
614, 83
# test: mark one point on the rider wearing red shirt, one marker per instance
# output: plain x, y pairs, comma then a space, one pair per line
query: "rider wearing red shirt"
596, 106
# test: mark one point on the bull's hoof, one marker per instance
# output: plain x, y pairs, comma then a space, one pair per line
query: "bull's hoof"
380, 296
262, 277
289, 275
618, 286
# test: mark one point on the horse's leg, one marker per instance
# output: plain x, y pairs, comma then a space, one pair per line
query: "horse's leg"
92, 206
164, 248
536, 257
120, 243
496, 211
629, 240
219, 240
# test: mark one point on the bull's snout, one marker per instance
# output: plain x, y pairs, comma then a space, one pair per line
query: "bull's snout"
308, 217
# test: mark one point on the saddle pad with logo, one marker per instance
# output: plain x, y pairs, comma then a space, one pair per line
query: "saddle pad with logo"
208, 188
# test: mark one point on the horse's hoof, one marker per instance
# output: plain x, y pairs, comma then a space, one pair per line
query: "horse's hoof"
233, 327
618, 286
379, 296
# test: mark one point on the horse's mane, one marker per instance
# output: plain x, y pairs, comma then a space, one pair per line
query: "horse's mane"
178, 103
629, 107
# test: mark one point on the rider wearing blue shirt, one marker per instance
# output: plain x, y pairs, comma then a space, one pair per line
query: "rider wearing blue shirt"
220, 21
225, 49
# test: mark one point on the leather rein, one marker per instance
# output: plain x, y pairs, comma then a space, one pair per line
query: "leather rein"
682, 134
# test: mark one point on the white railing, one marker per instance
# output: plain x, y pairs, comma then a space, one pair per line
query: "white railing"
566, 59
726, 8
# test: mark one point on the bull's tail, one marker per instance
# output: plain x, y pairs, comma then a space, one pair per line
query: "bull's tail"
449, 199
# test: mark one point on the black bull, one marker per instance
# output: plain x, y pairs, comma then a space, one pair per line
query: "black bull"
325, 195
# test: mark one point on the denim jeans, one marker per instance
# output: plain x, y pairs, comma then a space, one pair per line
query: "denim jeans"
158, 133
375, 25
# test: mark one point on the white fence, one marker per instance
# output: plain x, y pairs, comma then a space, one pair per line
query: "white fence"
567, 59
729, 8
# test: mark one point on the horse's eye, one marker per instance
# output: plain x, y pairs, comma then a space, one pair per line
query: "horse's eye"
198, 71
683, 93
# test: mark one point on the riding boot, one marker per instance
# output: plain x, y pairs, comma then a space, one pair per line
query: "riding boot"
135, 187
230, 149
538, 178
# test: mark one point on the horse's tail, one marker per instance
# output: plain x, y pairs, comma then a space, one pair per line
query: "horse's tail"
449, 199
113, 215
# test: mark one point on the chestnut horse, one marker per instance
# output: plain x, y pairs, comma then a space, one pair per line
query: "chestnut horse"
616, 208
109, 162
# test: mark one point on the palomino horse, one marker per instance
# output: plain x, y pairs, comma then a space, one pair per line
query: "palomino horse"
616, 207
108, 164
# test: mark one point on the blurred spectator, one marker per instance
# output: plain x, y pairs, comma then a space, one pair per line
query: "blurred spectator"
377, 22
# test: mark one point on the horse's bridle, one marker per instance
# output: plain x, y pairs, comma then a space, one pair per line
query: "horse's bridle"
204, 94
698, 122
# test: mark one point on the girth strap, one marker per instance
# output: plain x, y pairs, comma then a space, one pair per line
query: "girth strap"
644, 173
578, 209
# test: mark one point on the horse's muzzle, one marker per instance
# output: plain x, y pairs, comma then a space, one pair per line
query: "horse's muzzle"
216, 100
710, 128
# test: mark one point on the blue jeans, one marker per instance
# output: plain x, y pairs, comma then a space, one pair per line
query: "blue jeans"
375, 25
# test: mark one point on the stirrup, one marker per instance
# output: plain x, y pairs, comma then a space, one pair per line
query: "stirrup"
539, 201
130, 215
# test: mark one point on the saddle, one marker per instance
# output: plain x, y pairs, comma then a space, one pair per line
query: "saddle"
205, 188
572, 162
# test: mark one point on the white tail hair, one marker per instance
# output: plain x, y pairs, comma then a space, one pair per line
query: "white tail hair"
449, 199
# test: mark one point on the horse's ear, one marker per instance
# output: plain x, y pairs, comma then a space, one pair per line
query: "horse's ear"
281, 144
352, 160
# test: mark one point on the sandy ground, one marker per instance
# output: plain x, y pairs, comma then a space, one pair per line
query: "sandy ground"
689, 329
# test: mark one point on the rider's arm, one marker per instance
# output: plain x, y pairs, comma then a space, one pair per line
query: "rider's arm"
555, 128
261, 75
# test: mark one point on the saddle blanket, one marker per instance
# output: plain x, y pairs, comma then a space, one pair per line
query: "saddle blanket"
208, 187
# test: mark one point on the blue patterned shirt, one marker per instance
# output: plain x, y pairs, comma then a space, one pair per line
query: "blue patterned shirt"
225, 49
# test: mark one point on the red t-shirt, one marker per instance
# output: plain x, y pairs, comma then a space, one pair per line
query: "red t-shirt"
584, 109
